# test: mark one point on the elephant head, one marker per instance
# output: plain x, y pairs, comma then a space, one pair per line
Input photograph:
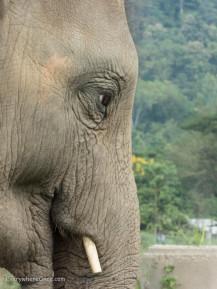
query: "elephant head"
68, 72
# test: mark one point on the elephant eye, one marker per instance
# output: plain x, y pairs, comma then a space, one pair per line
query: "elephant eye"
98, 97
105, 98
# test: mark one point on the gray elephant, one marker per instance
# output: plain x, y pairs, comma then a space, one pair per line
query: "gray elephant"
68, 206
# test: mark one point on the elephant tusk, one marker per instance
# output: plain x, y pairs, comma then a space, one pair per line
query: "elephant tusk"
92, 255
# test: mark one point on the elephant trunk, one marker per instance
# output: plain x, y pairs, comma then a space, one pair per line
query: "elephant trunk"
96, 218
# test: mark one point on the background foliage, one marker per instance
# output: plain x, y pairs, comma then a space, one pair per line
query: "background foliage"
175, 111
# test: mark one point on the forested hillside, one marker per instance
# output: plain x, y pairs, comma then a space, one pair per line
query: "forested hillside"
175, 112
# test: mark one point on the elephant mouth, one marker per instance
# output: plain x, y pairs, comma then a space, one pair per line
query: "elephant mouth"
92, 255
89, 247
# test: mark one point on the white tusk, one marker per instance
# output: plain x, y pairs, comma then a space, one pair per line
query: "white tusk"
92, 255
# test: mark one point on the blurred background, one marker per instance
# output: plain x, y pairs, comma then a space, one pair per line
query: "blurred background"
175, 120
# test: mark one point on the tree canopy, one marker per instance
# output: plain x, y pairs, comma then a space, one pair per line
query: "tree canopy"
175, 111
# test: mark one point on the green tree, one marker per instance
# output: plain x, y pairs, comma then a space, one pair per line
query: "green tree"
160, 197
158, 101
177, 47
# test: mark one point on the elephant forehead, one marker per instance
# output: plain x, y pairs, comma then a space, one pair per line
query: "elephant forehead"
54, 63
89, 33
93, 17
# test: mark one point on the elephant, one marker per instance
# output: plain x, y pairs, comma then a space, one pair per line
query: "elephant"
69, 214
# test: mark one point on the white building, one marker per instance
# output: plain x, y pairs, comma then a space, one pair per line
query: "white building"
209, 226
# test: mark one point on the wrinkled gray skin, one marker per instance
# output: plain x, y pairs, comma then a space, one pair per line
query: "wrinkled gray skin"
65, 154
